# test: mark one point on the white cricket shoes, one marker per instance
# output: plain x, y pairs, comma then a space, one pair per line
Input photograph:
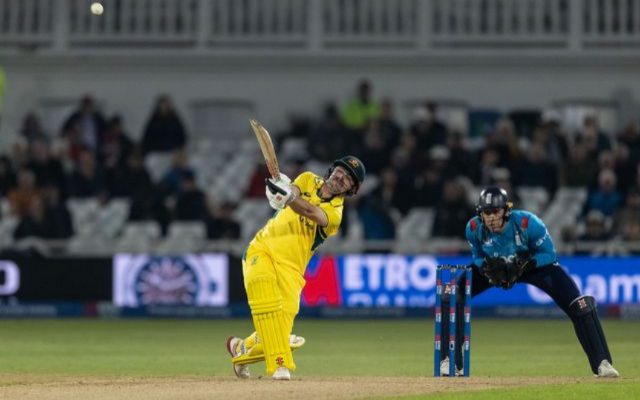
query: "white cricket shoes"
282, 374
606, 370
235, 347
296, 341
444, 368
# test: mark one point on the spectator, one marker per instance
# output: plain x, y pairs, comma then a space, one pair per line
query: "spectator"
116, 145
428, 187
606, 198
550, 145
538, 170
7, 175
57, 216
47, 168
579, 168
19, 153
22, 196
404, 158
84, 127
32, 128
606, 160
389, 191
453, 211
33, 223
191, 204
358, 111
461, 161
630, 136
328, 140
426, 127
405, 196
591, 135
129, 180
525, 121
557, 137
375, 154
623, 168
147, 206
595, 228
630, 232
164, 131
389, 127
489, 161
628, 218
221, 225
505, 141
85, 180
179, 169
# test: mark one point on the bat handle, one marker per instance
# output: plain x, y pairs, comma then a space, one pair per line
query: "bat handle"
273, 188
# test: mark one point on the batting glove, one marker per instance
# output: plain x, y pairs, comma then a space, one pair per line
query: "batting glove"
279, 192
283, 179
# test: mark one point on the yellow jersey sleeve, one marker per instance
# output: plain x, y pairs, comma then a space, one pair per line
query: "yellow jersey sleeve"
305, 180
333, 209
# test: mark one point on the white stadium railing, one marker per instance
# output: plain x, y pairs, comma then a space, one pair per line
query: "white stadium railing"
414, 26
26, 22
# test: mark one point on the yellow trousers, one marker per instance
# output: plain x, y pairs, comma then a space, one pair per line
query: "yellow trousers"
273, 290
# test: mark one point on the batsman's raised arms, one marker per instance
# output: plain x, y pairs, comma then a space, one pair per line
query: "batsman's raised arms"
266, 146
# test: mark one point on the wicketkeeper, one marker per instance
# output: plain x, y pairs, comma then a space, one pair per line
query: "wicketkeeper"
513, 246
307, 213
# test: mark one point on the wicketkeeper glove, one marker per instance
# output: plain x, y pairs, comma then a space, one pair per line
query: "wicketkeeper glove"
505, 274
521, 264
524, 262
512, 273
495, 270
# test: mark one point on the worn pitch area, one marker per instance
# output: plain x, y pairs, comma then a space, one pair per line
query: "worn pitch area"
48, 387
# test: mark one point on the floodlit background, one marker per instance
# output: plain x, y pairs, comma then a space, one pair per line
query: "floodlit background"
540, 97
126, 156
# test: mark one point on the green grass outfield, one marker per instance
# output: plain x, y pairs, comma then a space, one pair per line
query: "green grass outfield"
360, 348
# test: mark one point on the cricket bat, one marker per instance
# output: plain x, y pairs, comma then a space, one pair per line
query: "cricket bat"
266, 146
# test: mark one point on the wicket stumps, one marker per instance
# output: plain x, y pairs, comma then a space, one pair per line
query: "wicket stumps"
453, 274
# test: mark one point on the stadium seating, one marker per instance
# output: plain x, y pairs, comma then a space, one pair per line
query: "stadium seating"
564, 209
138, 236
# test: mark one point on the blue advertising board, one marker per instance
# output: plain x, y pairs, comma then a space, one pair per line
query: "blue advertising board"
390, 280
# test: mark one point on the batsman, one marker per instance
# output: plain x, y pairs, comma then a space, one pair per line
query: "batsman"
308, 211
513, 246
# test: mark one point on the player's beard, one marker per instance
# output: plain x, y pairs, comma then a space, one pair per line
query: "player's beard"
335, 189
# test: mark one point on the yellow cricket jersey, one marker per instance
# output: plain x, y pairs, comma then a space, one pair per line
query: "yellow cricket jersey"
291, 238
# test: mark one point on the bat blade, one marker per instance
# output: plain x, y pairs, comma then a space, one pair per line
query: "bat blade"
266, 146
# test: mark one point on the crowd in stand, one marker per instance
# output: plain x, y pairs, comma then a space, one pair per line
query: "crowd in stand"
423, 164
426, 164
93, 157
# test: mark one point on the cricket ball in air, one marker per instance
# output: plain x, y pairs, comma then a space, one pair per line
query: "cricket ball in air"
97, 8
